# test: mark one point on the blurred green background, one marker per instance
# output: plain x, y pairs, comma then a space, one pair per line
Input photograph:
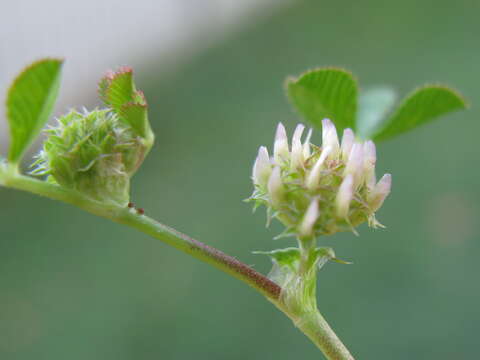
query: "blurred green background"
73, 286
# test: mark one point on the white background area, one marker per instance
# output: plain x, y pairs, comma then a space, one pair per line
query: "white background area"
96, 35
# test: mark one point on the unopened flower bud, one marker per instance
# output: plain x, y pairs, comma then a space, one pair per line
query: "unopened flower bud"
275, 186
262, 167
380, 192
280, 146
347, 142
314, 176
354, 165
344, 196
369, 159
329, 136
96, 153
297, 148
306, 145
309, 219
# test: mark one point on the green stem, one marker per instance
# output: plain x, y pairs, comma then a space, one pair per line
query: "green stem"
316, 328
312, 324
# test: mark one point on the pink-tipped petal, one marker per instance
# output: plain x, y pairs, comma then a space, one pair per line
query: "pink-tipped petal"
309, 219
296, 159
347, 142
306, 144
369, 160
380, 192
314, 177
262, 167
280, 146
344, 196
275, 186
354, 165
329, 136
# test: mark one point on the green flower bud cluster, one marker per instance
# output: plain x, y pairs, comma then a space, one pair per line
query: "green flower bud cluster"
96, 153
319, 190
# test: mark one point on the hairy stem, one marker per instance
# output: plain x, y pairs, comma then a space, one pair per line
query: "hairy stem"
312, 324
316, 328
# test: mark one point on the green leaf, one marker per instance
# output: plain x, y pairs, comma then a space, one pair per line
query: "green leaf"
284, 257
137, 116
421, 106
374, 105
285, 264
117, 88
30, 102
325, 93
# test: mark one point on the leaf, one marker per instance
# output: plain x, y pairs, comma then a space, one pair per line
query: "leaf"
116, 88
325, 93
284, 257
373, 106
285, 264
421, 106
30, 102
137, 116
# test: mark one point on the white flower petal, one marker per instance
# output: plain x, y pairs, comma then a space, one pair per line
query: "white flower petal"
297, 148
369, 160
344, 196
347, 142
275, 186
314, 177
354, 165
262, 167
329, 136
309, 219
380, 192
306, 144
280, 146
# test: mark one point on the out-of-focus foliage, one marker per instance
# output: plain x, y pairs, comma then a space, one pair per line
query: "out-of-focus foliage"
423, 105
325, 93
30, 103
73, 286
332, 93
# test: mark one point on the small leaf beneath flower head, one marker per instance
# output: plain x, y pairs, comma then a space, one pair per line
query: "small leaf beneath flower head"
421, 106
325, 93
285, 264
283, 257
30, 102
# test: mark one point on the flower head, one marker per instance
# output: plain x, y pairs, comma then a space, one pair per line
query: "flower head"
320, 190
93, 153
96, 153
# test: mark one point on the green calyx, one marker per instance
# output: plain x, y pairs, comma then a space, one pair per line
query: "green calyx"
96, 153
295, 271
